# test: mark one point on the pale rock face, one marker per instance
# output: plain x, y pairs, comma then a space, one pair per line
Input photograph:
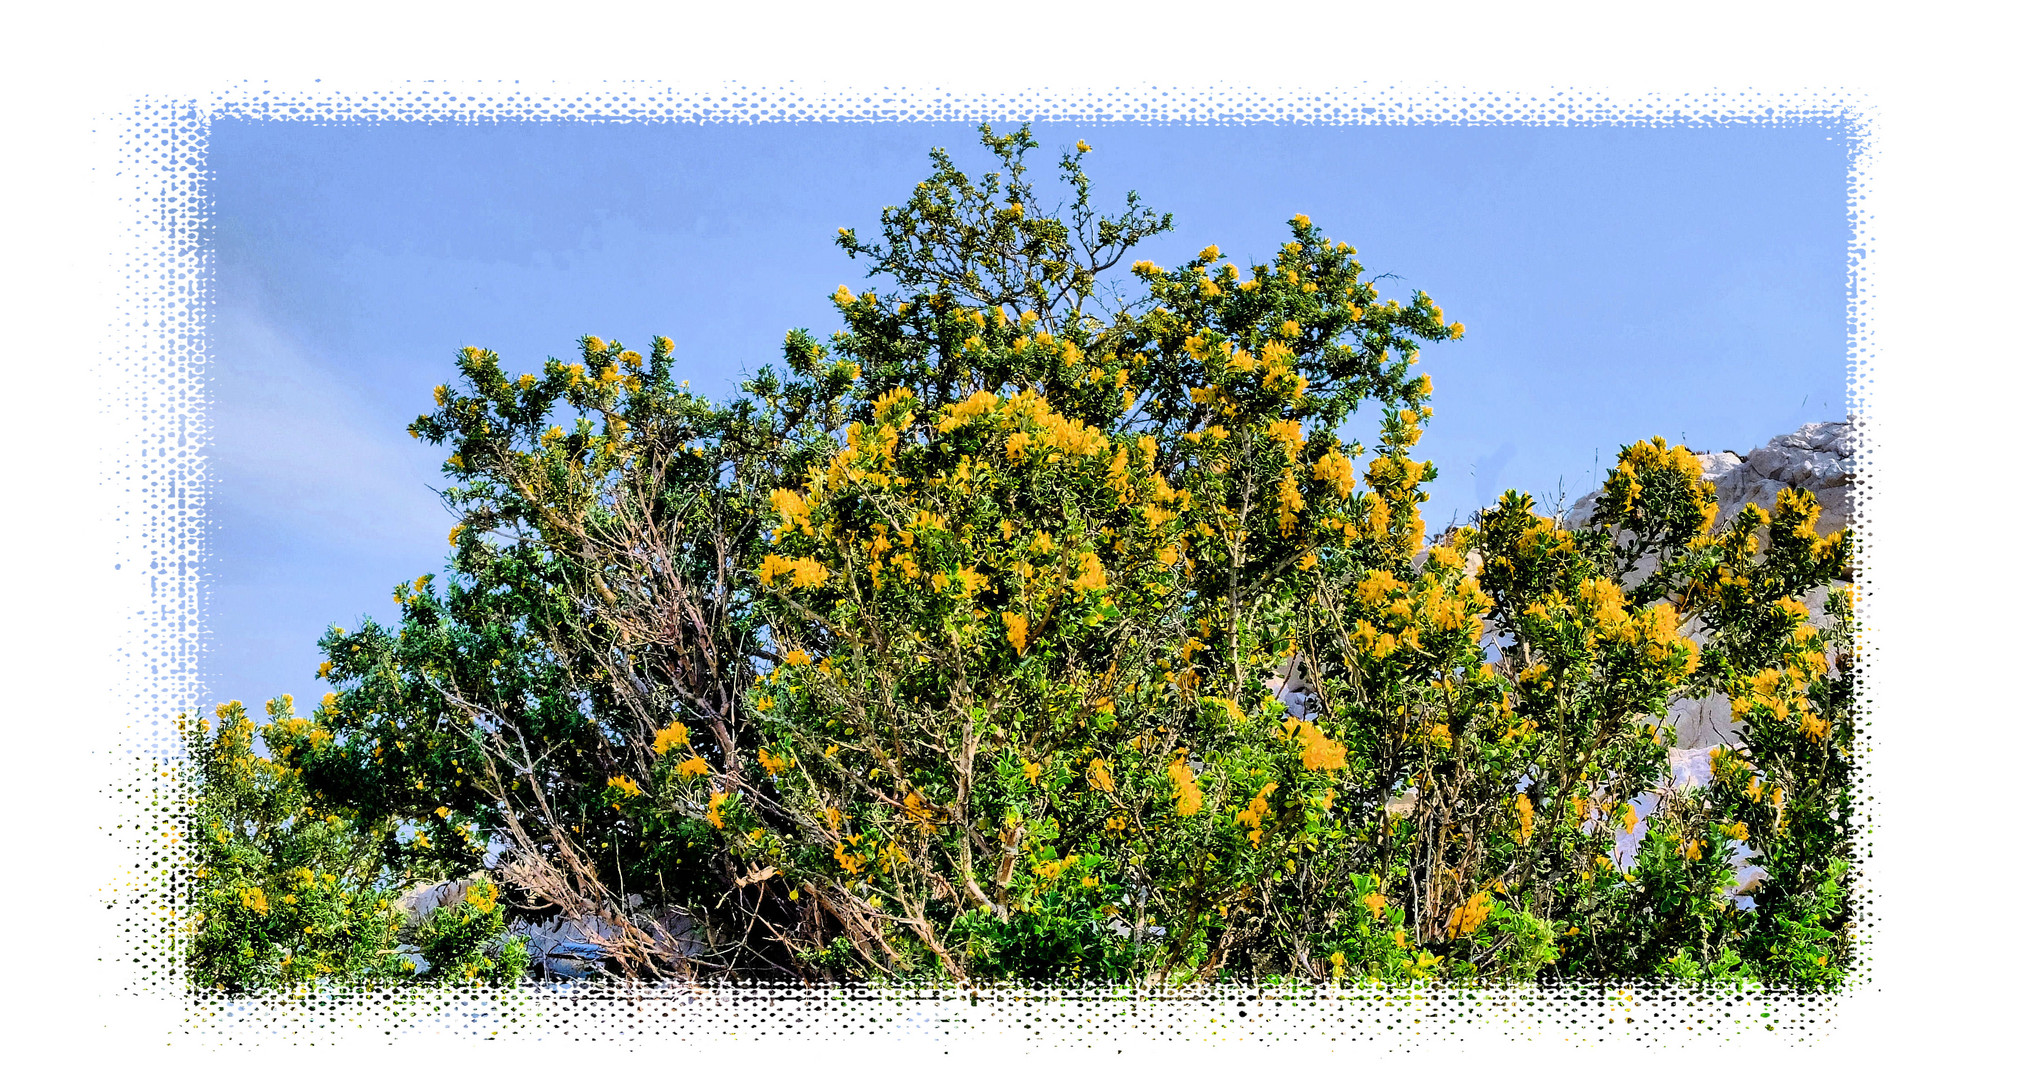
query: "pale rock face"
420, 902
1701, 722
1818, 458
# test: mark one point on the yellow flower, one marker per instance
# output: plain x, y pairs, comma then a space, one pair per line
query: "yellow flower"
806, 573
714, 802
1334, 469
1286, 433
1302, 220
1016, 627
1524, 806
1467, 918
1091, 576
1211, 253
1082, 146
1318, 752
920, 812
668, 739
1254, 813
1376, 902
791, 506
1186, 792
772, 763
693, 766
624, 785
1032, 771
1099, 777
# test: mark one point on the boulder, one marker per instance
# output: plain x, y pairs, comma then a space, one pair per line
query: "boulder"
1819, 458
419, 902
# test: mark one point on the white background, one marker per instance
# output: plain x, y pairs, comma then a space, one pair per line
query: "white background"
1945, 284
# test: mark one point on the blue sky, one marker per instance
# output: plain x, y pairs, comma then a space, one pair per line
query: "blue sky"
1616, 283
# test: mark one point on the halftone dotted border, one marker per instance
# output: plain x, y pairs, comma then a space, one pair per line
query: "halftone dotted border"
153, 393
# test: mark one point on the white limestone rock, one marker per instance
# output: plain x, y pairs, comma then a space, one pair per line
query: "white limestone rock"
1817, 458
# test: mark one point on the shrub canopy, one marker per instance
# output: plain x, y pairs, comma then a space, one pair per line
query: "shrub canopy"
1020, 630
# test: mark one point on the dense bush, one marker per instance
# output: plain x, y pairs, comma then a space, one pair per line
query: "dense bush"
1019, 633
291, 888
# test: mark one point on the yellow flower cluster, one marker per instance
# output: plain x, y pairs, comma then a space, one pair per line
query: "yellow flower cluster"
1465, 920
1090, 576
1335, 469
806, 572
979, 404
1781, 693
922, 814
1016, 628
1252, 816
1655, 462
1287, 434
791, 506
668, 739
1186, 792
1654, 629
1318, 752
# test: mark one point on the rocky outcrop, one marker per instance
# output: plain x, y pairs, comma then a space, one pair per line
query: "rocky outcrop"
572, 949
563, 948
1818, 458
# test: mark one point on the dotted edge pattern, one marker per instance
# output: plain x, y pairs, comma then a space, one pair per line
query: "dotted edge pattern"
153, 391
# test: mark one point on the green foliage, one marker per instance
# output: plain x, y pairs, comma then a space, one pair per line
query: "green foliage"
293, 888
464, 941
285, 885
1023, 630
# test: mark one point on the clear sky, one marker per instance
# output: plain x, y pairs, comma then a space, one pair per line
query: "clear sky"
1615, 282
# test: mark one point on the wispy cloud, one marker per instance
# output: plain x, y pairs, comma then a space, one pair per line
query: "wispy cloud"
298, 452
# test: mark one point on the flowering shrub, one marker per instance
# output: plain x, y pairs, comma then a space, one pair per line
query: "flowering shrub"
282, 895
290, 888
1012, 634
